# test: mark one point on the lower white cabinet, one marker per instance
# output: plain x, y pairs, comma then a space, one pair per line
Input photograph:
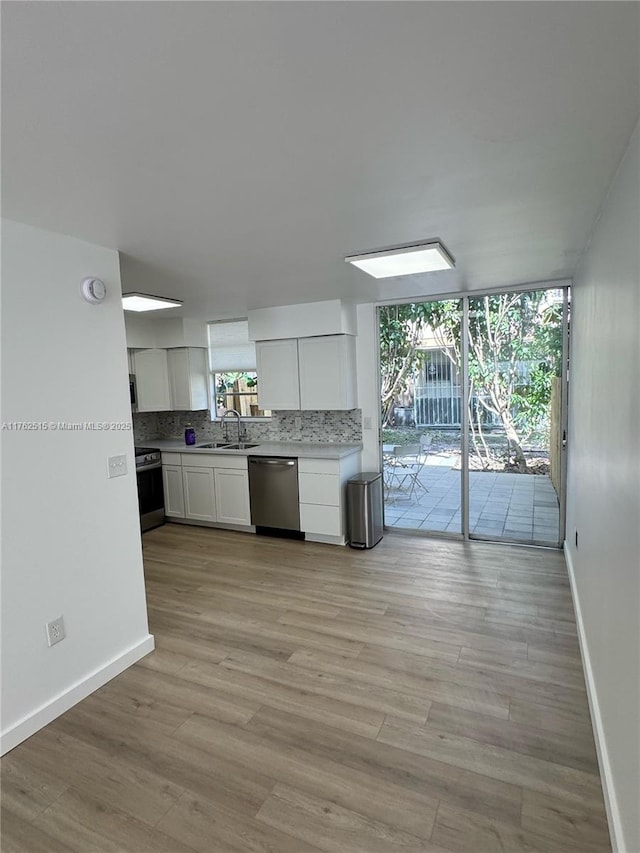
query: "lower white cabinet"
213, 488
199, 494
173, 491
207, 488
322, 490
232, 496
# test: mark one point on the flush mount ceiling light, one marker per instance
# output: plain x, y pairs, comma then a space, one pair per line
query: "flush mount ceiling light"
143, 302
410, 259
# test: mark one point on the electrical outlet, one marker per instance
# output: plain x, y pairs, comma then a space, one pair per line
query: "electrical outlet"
55, 631
298, 423
367, 423
116, 466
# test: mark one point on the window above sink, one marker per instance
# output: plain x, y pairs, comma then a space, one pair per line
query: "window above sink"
233, 376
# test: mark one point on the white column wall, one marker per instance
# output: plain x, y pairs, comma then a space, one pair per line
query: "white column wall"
70, 536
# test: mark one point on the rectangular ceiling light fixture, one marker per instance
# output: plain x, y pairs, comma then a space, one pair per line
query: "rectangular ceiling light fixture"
404, 260
143, 302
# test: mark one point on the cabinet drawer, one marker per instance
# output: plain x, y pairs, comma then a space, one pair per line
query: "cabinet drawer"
171, 458
319, 489
198, 460
319, 466
214, 460
324, 520
239, 463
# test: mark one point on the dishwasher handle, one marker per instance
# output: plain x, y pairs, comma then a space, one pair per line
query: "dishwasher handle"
287, 462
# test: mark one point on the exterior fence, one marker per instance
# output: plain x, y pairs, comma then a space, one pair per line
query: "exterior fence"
444, 408
555, 434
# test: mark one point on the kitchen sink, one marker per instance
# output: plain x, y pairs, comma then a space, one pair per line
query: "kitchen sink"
212, 444
241, 446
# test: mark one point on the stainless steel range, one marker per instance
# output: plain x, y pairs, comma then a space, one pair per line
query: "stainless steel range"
150, 488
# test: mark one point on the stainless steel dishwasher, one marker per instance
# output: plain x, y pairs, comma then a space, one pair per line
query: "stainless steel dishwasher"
273, 493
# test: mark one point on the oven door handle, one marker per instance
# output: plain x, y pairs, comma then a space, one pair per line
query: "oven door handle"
151, 467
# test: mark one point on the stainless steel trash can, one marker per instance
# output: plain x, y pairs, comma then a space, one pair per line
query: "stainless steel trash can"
364, 507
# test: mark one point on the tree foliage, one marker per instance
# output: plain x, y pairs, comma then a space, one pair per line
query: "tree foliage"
401, 330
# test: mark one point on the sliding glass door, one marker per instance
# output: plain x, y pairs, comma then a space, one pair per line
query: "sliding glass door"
473, 415
515, 357
421, 395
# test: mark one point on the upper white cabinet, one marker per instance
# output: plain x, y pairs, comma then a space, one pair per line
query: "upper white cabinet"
277, 367
152, 380
188, 378
307, 373
327, 372
174, 379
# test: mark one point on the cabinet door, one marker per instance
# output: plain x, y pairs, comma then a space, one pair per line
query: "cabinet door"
188, 379
152, 380
232, 496
199, 494
173, 491
278, 382
327, 372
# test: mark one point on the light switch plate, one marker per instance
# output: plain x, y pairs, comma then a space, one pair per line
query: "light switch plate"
367, 423
116, 466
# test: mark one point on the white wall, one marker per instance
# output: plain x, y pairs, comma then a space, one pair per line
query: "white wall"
368, 384
603, 502
330, 317
70, 536
148, 331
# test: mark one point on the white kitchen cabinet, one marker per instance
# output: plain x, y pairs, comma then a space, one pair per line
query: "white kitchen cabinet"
207, 488
322, 493
188, 378
327, 372
199, 493
171, 380
232, 496
307, 373
173, 491
278, 379
152, 380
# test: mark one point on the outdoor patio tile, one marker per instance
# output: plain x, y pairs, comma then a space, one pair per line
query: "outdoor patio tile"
490, 525
441, 513
433, 525
405, 524
414, 514
388, 514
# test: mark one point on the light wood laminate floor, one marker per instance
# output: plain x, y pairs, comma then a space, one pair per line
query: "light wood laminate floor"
422, 696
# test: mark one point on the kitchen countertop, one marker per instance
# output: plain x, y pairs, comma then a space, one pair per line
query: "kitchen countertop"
301, 449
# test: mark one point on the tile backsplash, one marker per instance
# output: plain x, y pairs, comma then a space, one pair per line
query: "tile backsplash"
316, 426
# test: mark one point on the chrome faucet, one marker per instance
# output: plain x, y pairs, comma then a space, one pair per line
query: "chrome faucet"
239, 424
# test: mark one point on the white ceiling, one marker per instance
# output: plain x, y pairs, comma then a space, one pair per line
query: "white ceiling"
235, 152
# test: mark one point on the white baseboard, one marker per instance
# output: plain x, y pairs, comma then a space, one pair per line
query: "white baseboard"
608, 787
30, 724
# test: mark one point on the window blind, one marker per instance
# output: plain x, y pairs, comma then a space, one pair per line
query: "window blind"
229, 346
